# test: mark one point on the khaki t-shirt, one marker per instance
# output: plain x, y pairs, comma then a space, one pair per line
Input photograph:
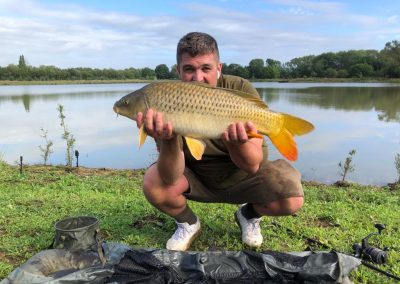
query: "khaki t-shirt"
216, 168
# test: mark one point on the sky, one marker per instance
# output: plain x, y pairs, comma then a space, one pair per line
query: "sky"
121, 34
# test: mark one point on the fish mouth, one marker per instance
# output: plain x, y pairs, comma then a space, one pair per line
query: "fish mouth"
116, 109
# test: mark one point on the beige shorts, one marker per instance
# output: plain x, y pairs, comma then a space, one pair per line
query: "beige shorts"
275, 180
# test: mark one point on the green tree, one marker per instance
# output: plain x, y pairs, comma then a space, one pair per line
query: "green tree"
347, 166
390, 57
174, 72
300, 67
68, 137
21, 62
361, 70
256, 68
46, 150
147, 73
236, 70
225, 69
162, 71
331, 73
272, 69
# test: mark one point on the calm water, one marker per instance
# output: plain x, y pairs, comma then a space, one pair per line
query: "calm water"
347, 116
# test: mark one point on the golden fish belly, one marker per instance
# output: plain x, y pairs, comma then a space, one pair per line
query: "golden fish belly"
198, 125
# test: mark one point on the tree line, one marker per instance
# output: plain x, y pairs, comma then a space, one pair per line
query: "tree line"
344, 64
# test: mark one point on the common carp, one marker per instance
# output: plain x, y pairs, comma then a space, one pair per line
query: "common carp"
199, 111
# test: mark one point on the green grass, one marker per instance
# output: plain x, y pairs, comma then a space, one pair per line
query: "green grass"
31, 203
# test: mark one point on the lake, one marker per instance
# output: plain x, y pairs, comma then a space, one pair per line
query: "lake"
360, 116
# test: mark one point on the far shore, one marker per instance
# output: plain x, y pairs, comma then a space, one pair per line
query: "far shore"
127, 81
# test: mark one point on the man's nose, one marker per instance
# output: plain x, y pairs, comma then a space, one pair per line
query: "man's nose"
198, 76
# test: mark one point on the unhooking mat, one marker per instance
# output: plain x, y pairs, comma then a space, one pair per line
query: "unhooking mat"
126, 265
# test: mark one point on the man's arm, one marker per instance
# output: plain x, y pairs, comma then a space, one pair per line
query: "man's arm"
245, 152
171, 161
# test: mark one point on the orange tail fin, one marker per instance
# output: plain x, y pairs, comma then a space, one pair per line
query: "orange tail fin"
284, 141
285, 144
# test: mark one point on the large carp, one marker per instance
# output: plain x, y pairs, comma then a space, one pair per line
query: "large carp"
199, 111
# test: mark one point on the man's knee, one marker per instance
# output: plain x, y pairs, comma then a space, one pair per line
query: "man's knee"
152, 186
292, 204
282, 207
158, 193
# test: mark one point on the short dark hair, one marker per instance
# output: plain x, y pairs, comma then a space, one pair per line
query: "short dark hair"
196, 43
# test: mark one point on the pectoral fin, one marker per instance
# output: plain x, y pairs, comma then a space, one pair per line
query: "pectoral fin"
196, 147
252, 134
142, 135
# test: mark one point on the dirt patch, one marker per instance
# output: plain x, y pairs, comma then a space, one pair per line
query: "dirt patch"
313, 183
341, 183
105, 234
315, 242
325, 222
14, 261
82, 171
149, 219
394, 186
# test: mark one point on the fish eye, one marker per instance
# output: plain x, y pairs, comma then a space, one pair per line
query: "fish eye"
126, 102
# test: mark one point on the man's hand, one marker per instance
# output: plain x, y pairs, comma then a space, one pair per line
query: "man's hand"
245, 152
237, 133
155, 125
171, 161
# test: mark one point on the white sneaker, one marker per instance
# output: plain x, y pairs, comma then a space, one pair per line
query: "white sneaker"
250, 228
183, 236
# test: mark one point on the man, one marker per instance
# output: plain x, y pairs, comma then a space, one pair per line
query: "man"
234, 169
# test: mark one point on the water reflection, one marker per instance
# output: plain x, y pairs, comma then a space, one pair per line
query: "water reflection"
30, 94
384, 100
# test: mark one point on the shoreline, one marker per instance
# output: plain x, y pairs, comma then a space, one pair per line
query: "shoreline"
92, 171
127, 81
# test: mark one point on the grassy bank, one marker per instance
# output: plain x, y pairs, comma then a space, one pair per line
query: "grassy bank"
33, 201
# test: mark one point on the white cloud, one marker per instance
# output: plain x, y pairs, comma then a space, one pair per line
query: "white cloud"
69, 35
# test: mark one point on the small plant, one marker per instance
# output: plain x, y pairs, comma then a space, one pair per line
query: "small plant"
46, 150
68, 137
397, 164
347, 166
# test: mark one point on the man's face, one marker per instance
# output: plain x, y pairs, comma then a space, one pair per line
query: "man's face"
201, 68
